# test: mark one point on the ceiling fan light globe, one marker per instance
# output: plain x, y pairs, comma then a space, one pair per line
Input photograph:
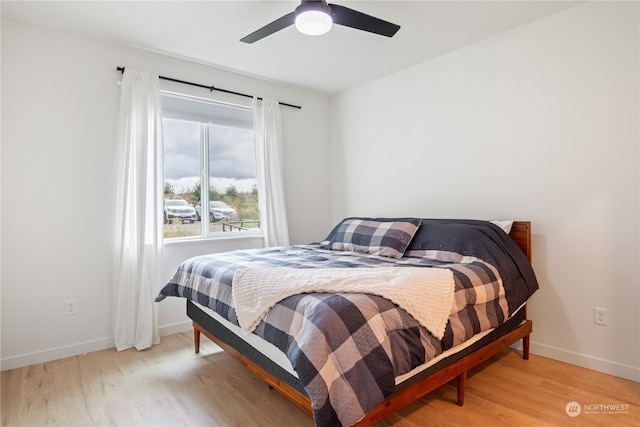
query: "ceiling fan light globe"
313, 22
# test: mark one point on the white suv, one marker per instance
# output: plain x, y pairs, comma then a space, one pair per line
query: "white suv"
218, 211
179, 209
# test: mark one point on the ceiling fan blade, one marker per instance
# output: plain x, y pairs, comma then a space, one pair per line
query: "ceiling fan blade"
352, 18
271, 28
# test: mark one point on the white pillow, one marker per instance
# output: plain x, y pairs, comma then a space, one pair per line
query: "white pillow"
505, 225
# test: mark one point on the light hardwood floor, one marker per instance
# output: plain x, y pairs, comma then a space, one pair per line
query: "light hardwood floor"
170, 385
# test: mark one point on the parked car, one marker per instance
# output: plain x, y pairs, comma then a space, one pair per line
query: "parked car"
179, 209
218, 211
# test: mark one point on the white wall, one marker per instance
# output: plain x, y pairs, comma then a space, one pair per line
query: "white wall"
59, 114
539, 123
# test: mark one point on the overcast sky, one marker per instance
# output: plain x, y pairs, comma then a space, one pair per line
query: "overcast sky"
231, 156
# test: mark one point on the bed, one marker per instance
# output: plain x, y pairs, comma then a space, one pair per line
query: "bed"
298, 317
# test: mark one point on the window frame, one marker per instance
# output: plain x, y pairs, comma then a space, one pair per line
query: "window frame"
204, 172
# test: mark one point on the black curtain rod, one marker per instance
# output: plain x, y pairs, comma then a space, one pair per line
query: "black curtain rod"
212, 88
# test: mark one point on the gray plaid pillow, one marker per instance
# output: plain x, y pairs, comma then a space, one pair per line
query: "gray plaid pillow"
384, 237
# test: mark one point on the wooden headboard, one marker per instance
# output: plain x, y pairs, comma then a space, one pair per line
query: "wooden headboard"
521, 233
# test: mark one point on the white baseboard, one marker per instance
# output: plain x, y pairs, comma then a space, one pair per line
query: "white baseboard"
77, 349
55, 353
176, 328
605, 366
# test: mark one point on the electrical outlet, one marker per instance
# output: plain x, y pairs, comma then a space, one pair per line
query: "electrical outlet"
600, 316
71, 307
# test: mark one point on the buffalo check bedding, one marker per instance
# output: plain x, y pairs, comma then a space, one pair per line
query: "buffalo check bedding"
347, 348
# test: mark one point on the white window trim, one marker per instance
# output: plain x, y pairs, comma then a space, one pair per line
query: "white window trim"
205, 233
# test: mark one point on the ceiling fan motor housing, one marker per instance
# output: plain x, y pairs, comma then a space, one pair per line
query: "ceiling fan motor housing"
313, 5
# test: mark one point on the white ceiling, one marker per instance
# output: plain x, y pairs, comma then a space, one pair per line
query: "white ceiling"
208, 32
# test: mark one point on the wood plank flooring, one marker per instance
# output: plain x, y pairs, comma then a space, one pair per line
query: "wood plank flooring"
170, 385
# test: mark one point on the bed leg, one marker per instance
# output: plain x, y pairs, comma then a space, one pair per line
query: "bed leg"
196, 339
526, 342
461, 385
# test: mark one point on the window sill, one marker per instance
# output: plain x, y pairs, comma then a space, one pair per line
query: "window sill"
212, 239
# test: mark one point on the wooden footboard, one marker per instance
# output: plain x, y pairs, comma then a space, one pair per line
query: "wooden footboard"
457, 370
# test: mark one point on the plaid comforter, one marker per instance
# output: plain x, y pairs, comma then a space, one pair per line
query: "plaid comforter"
347, 349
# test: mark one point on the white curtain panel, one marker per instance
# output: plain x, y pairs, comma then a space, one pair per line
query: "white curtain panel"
267, 125
138, 207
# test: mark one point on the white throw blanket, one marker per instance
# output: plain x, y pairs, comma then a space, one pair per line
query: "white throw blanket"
425, 293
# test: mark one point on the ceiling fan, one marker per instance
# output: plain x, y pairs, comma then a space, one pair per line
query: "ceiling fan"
315, 17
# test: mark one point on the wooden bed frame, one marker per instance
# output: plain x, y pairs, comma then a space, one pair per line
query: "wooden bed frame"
521, 234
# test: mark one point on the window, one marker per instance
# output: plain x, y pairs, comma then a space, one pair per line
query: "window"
208, 145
